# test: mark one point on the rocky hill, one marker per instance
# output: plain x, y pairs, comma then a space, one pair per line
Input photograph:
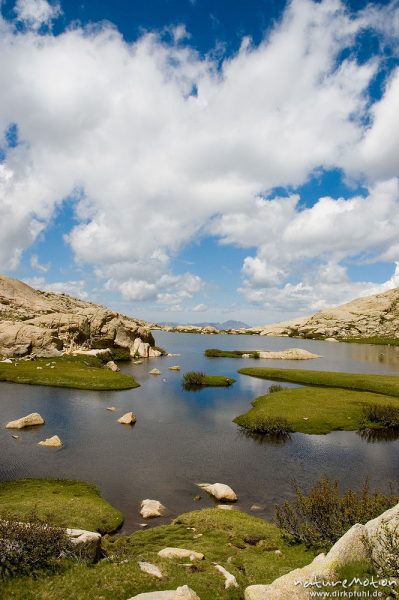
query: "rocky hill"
48, 324
372, 316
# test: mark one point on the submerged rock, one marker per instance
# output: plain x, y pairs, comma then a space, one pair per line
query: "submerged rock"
174, 368
151, 509
28, 421
154, 372
220, 491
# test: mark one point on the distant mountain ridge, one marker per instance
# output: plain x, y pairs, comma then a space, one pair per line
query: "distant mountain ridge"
371, 316
230, 324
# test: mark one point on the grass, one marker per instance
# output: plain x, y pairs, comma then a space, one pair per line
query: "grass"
59, 502
312, 410
193, 380
81, 372
243, 544
379, 384
378, 341
216, 353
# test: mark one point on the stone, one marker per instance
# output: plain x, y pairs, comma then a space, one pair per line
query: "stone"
181, 593
138, 362
290, 354
220, 491
180, 553
151, 509
257, 507
128, 418
174, 368
225, 506
112, 366
154, 372
88, 543
150, 569
53, 442
28, 421
111, 408
230, 580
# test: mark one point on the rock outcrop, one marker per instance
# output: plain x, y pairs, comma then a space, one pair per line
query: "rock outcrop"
48, 324
364, 317
354, 545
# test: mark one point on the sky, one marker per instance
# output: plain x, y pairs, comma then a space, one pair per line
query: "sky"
201, 160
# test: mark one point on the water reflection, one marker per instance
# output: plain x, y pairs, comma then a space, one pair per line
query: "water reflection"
264, 438
372, 436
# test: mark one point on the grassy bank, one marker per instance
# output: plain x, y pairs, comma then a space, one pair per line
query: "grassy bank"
81, 372
216, 353
377, 341
335, 401
379, 384
64, 503
312, 410
243, 544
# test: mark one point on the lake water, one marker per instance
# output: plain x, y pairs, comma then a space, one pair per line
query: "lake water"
182, 437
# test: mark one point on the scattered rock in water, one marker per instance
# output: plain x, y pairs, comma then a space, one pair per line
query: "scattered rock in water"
150, 569
143, 524
180, 553
197, 498
225, 506
127, 419
112, 366
154, 372
220, 491
245, 355
88, 542
181, 593
230, 580
137, 362
330, 339
290, 354
256, 507
53, 442
28, 421
151, 509
16, 437
112, 408
174, 368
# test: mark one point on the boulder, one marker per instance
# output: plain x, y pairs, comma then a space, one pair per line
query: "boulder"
230, 580
154, 372
150, 569
128, 418
220, 491
181, 593
28, 421
174, 368
87, 543
112, 366
151, 509
53, 442
290, 354
180, 553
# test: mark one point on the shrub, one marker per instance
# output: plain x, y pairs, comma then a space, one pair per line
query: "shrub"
266, 425
26, 548
276, 387
383, 550
320, 518
383, 414
193, 378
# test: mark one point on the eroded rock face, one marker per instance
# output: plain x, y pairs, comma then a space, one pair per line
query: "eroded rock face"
48, 324
376, 315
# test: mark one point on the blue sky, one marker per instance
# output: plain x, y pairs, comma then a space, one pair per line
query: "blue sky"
198, 160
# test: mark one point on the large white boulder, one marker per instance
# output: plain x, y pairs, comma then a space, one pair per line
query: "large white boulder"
182, 593
151, 509
220, 491
28, 421
180, 553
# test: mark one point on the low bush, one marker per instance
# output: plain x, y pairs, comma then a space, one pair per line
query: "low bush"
383, 414
26, 548
383, 550
193, 378
322, 516
266, 425
275, 387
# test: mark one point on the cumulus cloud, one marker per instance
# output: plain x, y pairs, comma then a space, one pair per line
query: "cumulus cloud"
72, 288
35, 13
36, 265
155, 143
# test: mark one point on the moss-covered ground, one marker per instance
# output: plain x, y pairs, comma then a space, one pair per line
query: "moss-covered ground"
246, 546
60, 502
334, 401
81, 372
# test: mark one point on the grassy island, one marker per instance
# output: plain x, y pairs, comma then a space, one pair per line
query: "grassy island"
197, 379
335, 401
81, 372
60, 502
216, 353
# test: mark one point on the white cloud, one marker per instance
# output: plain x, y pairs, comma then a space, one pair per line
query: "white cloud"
200, 308
35, 264
160, 143
36, 13
72, 288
